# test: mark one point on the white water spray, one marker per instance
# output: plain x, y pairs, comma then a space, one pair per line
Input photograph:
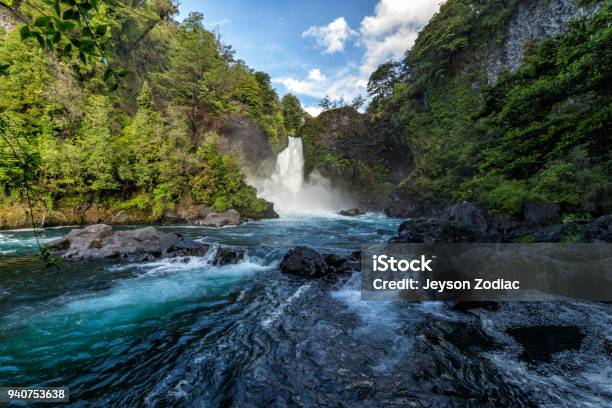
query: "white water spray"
291, 193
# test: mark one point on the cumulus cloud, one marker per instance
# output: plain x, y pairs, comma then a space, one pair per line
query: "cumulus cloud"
393, 29
344, 83
313, 110
316, 75
332, 36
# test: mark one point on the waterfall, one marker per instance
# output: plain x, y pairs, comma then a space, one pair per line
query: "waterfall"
291, 193
289, 172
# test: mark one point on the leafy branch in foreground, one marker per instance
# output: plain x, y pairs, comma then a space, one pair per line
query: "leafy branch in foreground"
13, 144
67, 28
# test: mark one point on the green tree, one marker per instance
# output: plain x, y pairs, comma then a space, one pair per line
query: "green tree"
293, 114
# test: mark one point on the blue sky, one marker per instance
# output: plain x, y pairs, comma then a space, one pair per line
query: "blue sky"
316, 48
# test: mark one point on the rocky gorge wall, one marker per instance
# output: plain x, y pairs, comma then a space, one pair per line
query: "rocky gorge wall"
532, 21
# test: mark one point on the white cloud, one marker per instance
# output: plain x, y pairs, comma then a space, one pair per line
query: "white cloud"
316, 75
388, 33
313, 110
344, 83
332, 36
393, 29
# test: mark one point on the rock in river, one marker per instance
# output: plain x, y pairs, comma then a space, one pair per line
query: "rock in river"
100, 241
216, 220
352, 212
306, 262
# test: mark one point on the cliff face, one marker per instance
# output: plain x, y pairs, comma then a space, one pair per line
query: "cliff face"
532, 21
355, 153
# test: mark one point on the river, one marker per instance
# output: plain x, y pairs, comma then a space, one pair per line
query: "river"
180, 332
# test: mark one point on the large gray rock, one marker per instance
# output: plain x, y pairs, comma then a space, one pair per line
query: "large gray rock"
216, 220
100, 241
467, 213
541, 213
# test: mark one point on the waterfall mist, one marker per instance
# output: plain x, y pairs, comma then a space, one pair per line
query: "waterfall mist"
291, 193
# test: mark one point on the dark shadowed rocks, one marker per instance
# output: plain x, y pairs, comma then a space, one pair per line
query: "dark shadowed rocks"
307, 262
303, 261
467, 213
438, 230
540, 343
100, 241
599, 230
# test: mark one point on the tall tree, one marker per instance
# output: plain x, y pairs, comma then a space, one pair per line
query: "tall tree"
293, 114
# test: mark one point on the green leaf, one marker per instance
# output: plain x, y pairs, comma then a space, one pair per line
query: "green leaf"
101, 30
67, 49
82, 57
4, 69
40, 39
72, 14
58, 8
42, 21
107, 74
57, 37
113, 87
85, 6
25, 32
65, 25
86, 46
123, 73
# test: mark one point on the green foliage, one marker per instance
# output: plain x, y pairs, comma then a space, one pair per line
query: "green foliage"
220, 184
293, 114
538, 134
145, 146
559, 99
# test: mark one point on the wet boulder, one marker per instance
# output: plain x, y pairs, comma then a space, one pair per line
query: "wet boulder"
227, 256
306, 262
101, 241
338, 264
216, 220
353, 212
303, 261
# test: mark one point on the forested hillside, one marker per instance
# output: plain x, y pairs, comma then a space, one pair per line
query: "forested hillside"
139, 149
493, 114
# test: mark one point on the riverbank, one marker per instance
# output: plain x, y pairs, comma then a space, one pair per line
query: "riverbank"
15, 215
